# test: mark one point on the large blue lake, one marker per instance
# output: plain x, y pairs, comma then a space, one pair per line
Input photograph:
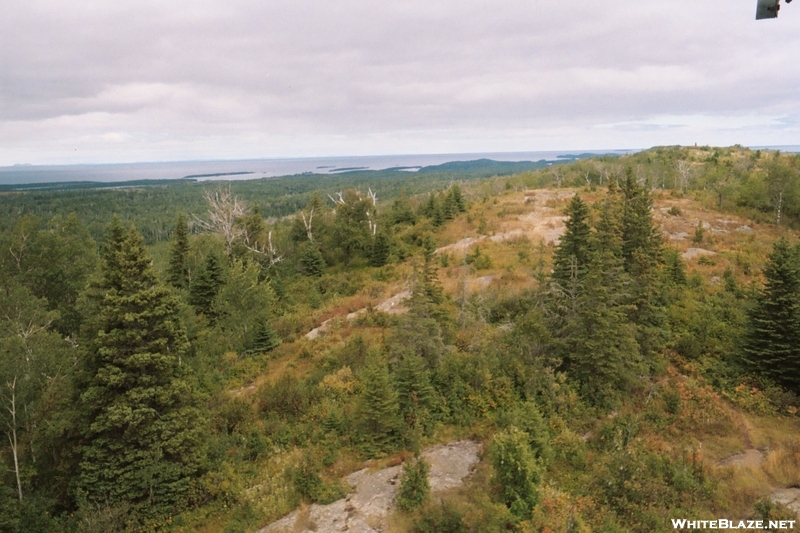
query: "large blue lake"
256, 168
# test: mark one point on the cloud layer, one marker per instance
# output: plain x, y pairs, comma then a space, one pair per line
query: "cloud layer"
97, 81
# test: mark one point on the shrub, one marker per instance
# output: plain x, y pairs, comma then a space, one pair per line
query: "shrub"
444, 518
516, 471
414, 486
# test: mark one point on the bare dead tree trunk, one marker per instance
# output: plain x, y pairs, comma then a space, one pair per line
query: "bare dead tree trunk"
307, 223
684, 170
225, 209
11, 432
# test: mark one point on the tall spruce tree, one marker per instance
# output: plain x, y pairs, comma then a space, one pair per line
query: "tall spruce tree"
178, 255
140, 425
311, 261
266, 339
430, 285
642, 252
573, 254
379, 410
415, 392
379, 253
205, 286
641, 241
772, 338
597, 341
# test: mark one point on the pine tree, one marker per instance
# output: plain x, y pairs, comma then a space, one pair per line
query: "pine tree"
599, 345
449, 207
140, 426
772, 337
311, 261
415, 393
675, 268
642, 252
431, 287
205, 286
609, 224
179, 252
414, 485
457, 198
574, 251
266, 339
641, 241
379, 411
380, 250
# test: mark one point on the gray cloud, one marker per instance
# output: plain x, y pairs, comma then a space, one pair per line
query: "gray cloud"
103, 81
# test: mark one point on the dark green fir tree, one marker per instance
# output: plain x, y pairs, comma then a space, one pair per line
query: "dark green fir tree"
205, 286
457, 197
599, 346
571, 261
415, 392
140, 425
772, 337
641, 240
266, 339
379, 410
380, 250
178, 255
311, 261
642, 253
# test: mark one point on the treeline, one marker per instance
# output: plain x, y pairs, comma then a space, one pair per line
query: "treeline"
151, 207
763, 185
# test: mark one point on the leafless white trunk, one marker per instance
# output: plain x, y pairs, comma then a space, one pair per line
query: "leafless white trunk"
337, 201
11, 431
225, 209
269, 251
17, 249
307, 223
684, 169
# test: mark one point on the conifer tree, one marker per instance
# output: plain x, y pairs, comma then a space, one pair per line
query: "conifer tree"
675, 268
379, 411
380, 250
205, 286
641, 241
415, 393
642, 253
431, 287
430, 207
311, 261
179, 252
414, 485
449, 207
597, 341
609, 223
266, 339
140, 426
457, 198
772, 338
574, 251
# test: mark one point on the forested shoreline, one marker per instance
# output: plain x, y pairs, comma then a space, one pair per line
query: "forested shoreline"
156, 374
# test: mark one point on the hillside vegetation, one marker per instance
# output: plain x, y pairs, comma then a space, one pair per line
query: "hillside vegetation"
620, 334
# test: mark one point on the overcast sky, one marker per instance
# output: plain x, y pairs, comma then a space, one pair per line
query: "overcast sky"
85, 81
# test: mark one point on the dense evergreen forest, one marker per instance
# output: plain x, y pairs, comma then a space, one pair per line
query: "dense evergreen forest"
210, 356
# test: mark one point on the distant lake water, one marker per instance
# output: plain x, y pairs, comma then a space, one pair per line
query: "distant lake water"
257, 168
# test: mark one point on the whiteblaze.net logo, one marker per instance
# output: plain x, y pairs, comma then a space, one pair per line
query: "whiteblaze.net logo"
722, 523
